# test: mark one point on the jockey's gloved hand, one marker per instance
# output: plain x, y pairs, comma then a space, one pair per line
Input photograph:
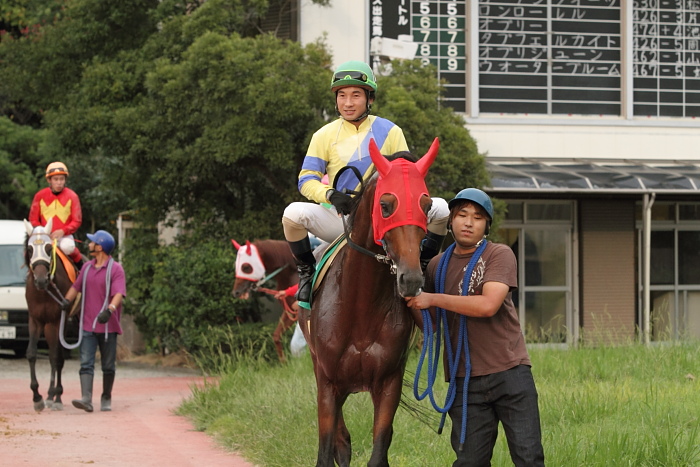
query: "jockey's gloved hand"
341, 201
104, 316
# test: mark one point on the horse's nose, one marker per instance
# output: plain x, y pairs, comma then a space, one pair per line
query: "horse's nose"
41, 282
236, 293
409, 283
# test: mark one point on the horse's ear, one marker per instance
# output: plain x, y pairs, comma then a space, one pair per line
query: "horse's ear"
28, 227
380, 162
426, 161
235, 244
248, 250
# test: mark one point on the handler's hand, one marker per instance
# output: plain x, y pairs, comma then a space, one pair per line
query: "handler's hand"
421, 301
104, 316
281, 294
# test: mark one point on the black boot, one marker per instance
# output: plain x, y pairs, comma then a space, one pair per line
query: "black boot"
86, 388
106, 399
306, 265
431, 245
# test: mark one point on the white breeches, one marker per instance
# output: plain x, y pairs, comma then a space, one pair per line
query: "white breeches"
301, 218
67, 244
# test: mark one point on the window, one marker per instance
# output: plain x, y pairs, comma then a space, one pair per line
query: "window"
675, 275
539, 233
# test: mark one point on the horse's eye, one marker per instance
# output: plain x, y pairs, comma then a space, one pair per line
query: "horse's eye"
386, 209
247, 268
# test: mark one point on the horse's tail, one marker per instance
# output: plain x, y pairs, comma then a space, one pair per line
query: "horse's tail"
422, 412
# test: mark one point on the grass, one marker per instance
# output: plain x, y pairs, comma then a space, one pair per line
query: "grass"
607, 406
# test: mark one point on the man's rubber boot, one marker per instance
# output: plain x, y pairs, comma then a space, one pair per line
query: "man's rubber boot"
86, 388
306, 265
431, 245
106, 399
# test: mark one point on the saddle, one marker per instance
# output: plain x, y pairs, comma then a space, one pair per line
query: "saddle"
68, 264
71, 269
323, 265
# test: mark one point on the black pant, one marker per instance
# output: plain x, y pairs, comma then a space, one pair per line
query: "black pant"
509, 397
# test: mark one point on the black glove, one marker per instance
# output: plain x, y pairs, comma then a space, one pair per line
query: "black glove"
65, 304
341, 201
104, 316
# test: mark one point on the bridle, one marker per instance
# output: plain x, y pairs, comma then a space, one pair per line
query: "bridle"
385, 259
39, 255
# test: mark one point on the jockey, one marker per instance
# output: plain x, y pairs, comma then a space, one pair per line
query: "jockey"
61, 203
345, 142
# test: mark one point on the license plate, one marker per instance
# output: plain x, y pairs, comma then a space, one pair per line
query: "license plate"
8, 332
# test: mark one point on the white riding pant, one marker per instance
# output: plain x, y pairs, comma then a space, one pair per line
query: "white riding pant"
301, 218
67, 244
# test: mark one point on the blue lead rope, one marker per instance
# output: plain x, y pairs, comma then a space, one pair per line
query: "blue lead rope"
431, 345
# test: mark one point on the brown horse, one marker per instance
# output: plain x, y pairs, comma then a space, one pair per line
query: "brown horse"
359, 327
254, 262
47, 283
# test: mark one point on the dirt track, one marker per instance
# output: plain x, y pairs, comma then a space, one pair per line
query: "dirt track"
141, 429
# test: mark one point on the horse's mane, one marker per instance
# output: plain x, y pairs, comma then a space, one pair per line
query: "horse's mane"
277, 250
27, 255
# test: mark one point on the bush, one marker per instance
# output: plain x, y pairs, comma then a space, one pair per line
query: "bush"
178, 294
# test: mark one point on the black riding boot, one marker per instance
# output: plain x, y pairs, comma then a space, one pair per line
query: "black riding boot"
429, 248
86, 388
106, 399
306, 265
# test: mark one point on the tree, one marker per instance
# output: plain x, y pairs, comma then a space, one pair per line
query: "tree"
19, 153
195, 112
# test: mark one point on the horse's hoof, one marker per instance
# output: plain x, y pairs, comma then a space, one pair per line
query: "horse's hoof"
39, 406
57, 406
48, 403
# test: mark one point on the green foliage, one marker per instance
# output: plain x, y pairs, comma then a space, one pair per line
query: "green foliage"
630, 405
169, 106
19, 154
221, 349
187, 294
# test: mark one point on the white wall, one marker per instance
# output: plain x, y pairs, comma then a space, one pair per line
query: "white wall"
612, 141
344, 22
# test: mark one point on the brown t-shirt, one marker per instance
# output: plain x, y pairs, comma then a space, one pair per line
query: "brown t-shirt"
496, 343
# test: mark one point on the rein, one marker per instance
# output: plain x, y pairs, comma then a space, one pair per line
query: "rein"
379, 257
291, 314
257, 285
432, 345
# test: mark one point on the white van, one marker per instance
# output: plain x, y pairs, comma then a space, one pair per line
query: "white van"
14, 320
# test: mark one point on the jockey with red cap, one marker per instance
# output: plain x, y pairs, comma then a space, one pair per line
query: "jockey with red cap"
61, 203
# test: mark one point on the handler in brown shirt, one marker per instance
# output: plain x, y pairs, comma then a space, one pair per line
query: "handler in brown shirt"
501, 387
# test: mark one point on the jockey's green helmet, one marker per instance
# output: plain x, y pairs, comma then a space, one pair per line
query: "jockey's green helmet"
353, 73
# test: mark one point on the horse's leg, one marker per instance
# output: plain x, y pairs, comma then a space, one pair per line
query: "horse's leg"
56, 357
386, 398
329, 409
343, 452
34, 334
282, 325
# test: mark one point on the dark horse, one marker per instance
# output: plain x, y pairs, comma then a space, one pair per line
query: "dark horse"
359, 326
47, 283
254, 262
